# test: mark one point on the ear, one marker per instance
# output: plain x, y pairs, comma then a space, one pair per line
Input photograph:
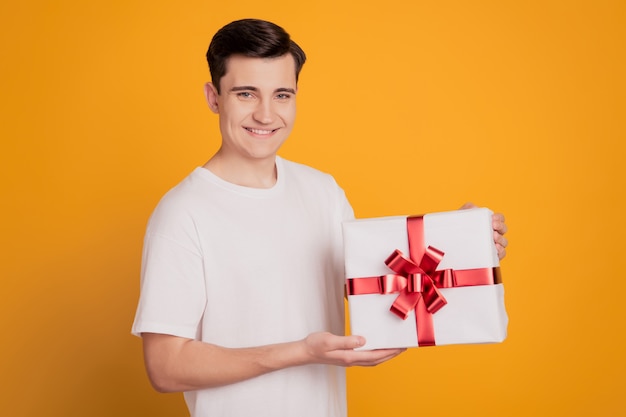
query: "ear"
210, 92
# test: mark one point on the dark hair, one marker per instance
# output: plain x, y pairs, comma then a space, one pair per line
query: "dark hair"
252, 38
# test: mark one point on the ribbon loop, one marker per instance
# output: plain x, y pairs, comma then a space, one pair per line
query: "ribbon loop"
415, 283
399, 264
431, 259
404, 303
391, 283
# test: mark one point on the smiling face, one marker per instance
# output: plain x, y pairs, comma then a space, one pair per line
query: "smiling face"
256, 106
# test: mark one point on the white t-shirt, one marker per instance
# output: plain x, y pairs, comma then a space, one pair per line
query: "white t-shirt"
237, 267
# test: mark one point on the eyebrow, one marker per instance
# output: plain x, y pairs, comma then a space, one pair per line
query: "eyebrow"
251, 88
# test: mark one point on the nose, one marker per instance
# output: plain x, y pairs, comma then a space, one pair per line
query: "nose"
264, 112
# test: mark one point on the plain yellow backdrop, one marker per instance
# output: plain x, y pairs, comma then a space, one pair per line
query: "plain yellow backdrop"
413, 107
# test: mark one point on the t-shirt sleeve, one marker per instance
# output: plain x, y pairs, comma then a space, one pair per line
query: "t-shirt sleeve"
172, 297
345, 209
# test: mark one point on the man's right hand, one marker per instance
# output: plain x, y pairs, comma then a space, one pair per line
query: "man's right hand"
330, 349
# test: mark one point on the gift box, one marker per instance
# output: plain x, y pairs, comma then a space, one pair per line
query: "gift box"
426, 280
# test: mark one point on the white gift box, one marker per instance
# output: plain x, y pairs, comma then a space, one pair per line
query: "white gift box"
473, 314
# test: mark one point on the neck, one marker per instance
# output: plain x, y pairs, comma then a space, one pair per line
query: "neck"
251, 173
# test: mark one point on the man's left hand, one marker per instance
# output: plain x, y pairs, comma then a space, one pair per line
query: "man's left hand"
499, 229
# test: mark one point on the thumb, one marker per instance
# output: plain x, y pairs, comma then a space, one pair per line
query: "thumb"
354, 342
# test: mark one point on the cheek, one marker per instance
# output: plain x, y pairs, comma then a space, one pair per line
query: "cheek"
289, 113
234, 114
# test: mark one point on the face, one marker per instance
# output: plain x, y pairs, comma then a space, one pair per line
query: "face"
256, 106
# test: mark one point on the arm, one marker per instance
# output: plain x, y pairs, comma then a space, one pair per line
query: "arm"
178, 364
499, 229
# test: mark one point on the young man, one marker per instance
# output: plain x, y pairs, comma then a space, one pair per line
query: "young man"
241, 301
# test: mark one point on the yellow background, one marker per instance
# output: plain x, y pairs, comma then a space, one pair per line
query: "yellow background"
413, 106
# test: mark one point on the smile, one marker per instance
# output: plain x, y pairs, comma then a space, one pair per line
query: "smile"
260, 131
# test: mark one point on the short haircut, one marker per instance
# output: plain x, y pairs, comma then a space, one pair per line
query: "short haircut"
252, 38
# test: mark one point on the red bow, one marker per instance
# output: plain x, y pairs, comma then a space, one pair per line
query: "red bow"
416, 282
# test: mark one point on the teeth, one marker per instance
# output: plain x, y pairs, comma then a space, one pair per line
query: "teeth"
260, 132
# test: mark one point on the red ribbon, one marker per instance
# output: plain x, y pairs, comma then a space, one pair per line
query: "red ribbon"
417, 282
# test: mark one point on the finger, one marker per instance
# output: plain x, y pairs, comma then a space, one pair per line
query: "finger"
500, 240
501, 252
387, 354
498, 217
374, 357
348, 342
498, 224
468, 205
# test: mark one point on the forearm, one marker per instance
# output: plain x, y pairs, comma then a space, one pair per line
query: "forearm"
176, 364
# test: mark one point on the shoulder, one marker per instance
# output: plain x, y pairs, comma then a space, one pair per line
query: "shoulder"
320, 186
302, 172
177, 205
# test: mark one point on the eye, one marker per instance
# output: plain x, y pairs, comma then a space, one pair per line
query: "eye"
244, 95
283, 96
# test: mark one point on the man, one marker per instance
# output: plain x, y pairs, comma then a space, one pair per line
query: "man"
241, 301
